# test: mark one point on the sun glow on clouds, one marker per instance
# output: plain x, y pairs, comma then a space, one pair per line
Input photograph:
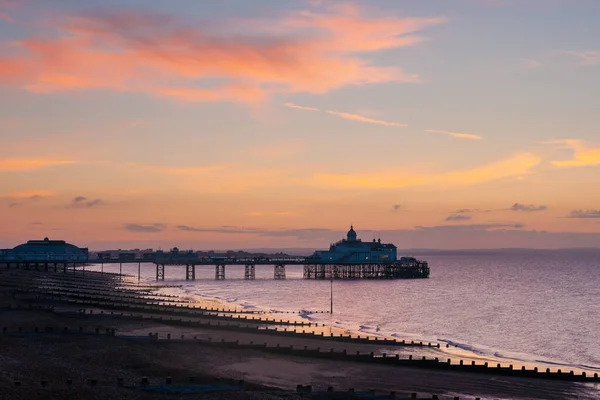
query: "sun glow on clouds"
583, 154
513, 167
162, 55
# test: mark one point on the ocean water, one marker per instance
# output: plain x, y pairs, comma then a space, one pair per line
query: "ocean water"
531, 308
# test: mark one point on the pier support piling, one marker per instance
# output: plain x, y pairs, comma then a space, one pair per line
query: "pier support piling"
279, 271
220, 272
160, 272
190, 272
249, 272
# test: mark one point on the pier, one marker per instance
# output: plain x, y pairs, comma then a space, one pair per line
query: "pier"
312, 269
349, 258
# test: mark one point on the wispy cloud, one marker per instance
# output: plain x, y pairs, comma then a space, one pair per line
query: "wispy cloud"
83, 202
518, 165
7, 18
264, 213
584, 214
532, 63
477, 227
8, 6
586, 58
30, 164
349, 116
458, 217
457, 135
584, 154
178, 169
527, 207
306, 233
153, 228
29, 194
297, 107
222, 229
360, 118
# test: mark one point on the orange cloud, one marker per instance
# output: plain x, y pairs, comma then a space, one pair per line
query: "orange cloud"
360, 118
161, 55
241, 92
348, 30
457, 135
583, 154
513, 167
30, 164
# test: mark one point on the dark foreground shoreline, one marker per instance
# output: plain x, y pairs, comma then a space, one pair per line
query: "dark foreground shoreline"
54, 351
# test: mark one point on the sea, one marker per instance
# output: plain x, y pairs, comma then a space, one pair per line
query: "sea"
523, 307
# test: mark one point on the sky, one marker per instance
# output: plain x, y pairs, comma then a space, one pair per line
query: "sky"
452, 124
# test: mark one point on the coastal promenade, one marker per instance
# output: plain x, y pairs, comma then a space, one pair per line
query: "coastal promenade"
159, 344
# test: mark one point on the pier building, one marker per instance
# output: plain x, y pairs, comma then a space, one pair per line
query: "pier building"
354, 250
45, 250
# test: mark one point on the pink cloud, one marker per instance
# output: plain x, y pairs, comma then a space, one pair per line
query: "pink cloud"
313, 52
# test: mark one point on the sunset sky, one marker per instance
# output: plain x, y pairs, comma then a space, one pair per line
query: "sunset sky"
263, 123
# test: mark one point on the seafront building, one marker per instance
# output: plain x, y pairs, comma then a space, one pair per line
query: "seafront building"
45, 250
354, 250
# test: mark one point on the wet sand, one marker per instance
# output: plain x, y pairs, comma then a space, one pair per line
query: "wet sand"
31, 357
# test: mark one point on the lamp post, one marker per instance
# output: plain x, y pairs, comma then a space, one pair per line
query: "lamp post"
331, 292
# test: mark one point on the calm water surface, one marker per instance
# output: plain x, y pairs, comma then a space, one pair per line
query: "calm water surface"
532, 307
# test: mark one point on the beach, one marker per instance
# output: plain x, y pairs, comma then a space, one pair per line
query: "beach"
69, 334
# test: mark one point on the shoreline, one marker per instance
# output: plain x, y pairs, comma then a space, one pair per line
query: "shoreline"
466, 351
270, 365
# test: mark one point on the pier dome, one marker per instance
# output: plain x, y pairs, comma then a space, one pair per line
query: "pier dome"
351, 234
